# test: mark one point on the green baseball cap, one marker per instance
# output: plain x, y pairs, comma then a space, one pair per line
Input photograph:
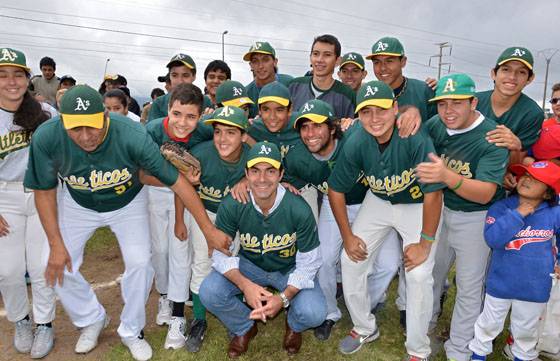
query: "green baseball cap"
232, 93
315, 110
275, 92
353, 58
229, 115
517, 53
184, 59
375, 93
261, 47
264, 152
386, 46
13, 57
82, 106
455, 86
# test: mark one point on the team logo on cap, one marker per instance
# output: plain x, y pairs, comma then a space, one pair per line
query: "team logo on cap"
539, 165
351, 56
8, 55
265, 150
237, 91
371, 91
449, 86
307, 107
257, 46
381, 46
518, 52
226, 112
81, 104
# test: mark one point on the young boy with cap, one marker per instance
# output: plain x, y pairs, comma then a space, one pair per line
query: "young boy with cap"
222, 162
279, 249
233, 94
264, 65
520, 230
99, 156
351, 70
473, 171
396, 201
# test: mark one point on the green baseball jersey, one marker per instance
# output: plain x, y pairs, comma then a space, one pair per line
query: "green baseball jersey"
390, 174
157, 131
103, 180
217, 176
524, 118
340, 96
253, 92
472, 156
303, 168
285, 139
270, 242
417, 93
160, 106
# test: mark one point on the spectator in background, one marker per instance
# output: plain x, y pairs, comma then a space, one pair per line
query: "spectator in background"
66, 82
116, 101
555, 105
111, 82
216, 73
156, 92
46, 85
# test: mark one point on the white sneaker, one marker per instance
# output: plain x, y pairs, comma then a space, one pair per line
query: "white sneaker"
164, 311
90, 334
43, 342
139, 348
23, 336
175, 338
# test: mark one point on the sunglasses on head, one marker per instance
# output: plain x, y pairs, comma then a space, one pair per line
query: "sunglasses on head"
554, 101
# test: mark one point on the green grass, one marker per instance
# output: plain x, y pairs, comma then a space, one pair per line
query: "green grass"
268, 343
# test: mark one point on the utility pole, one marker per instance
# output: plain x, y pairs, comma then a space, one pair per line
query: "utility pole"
223, 47
439, 56
548, 54
105, 71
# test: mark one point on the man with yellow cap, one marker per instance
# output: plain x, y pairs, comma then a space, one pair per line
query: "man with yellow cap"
396, 201
279, 249
98, 156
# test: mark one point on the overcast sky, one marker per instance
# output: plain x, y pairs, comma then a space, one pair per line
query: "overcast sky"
141, 36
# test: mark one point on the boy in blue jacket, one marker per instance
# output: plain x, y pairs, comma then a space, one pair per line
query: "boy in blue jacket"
520, 230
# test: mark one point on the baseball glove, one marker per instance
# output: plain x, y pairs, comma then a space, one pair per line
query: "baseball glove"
180, 158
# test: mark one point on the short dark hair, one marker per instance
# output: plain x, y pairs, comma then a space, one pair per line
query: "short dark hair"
119, 94
217, 65
497, 67
243, 131
175, 64
329, 39
331, 123
187, 94
556, 87
156, 92
46, 61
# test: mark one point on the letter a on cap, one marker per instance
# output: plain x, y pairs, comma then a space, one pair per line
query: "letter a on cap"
265, 150
226, 112
449, 86
371, 91
518, 52
81, 105
307, 107
381, 46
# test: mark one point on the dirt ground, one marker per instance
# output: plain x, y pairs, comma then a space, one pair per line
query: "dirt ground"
98, 267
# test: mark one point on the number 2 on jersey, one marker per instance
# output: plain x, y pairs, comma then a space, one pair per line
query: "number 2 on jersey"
415, 192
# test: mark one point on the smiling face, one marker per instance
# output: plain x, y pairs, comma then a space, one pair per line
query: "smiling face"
317, 137
389, 69
13, 86
352, 75
457, 113
262, 66
379, 122
183, 119
323, 59
213, 80
274, 116
511, 78
530, 188
263, 181
228, 141
88, 138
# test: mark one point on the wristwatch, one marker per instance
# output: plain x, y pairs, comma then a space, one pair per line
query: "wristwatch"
285, 300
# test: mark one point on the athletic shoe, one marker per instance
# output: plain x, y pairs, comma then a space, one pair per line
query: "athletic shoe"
23, 336
323, 332
196, 335
90, 334
138, 347
164, 311
175, 338
414, 358
43, 342
477, 357
354, 341
508, 354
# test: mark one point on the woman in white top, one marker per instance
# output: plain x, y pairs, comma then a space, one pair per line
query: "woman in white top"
116, 101
24, 245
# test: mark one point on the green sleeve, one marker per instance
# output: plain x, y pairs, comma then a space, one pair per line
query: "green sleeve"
492, 166
41, 170
150, 158
348, 167
225, 221
155, 109
531, 130
306, 232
